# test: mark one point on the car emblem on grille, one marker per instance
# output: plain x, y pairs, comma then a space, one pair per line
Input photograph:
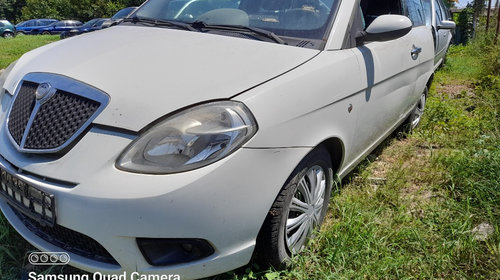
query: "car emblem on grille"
50, 112
44, 92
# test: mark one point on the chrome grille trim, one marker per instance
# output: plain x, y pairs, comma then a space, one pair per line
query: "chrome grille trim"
64, 85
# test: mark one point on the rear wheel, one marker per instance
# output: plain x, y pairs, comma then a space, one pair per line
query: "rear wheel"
45, 33
298, 210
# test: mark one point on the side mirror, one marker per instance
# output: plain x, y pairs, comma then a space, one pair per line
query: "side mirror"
447, 24
386, 28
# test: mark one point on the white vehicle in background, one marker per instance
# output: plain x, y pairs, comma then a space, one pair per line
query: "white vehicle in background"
218, 136
443, 28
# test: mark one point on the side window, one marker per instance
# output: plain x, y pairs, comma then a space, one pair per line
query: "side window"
427, 12
371, 9
437, 10
368, 11
60, 24
444, 10
1, 24
415, 12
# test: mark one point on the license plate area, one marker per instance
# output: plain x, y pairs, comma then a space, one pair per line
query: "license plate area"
27, 199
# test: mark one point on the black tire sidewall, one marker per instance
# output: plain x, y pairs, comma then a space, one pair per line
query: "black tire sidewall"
407, 127
272, 247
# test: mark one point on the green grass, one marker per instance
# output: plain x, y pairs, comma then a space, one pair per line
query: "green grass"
408, 212
12, 49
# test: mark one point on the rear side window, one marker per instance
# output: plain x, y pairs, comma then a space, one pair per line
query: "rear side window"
444, 11
437, 10
415, 11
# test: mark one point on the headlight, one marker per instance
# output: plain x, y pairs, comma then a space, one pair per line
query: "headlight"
190, 139
4, 76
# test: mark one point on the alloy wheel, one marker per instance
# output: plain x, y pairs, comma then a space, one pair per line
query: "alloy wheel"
306, 209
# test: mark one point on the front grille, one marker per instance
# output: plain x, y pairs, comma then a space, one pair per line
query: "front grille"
68, 240
48, 126
21, 111
58, 119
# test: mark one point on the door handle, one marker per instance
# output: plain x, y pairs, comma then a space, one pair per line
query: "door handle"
415, 52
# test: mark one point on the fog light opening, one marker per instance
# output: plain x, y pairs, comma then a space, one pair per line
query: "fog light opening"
163, 252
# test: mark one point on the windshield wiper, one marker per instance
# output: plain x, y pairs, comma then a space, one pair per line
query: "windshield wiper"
262, 32
160, 22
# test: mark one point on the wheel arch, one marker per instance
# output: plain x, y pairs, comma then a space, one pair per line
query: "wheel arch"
336, 149
429, 81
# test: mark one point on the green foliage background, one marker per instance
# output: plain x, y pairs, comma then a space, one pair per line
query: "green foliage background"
83, 10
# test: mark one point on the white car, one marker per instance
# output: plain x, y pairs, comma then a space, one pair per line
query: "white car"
443, 27
219, 135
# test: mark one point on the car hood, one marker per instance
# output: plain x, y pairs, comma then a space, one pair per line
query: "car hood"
150, 72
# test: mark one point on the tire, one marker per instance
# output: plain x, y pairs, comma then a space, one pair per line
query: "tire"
8, 35
416, 115
46, 33
276, 244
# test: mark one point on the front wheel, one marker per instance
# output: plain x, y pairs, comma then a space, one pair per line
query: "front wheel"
298, 211
46, 33
8, 35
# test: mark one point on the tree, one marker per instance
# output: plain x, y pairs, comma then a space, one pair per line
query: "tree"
465, 25
131, 3
478, 6
82, 10
57, 9
450, 3
11, 9
85, 10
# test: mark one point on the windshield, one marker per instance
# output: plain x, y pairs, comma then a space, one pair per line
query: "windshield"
123, 13
291, 18
90, 23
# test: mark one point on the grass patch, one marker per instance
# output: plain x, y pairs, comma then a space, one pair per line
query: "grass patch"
12, 49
